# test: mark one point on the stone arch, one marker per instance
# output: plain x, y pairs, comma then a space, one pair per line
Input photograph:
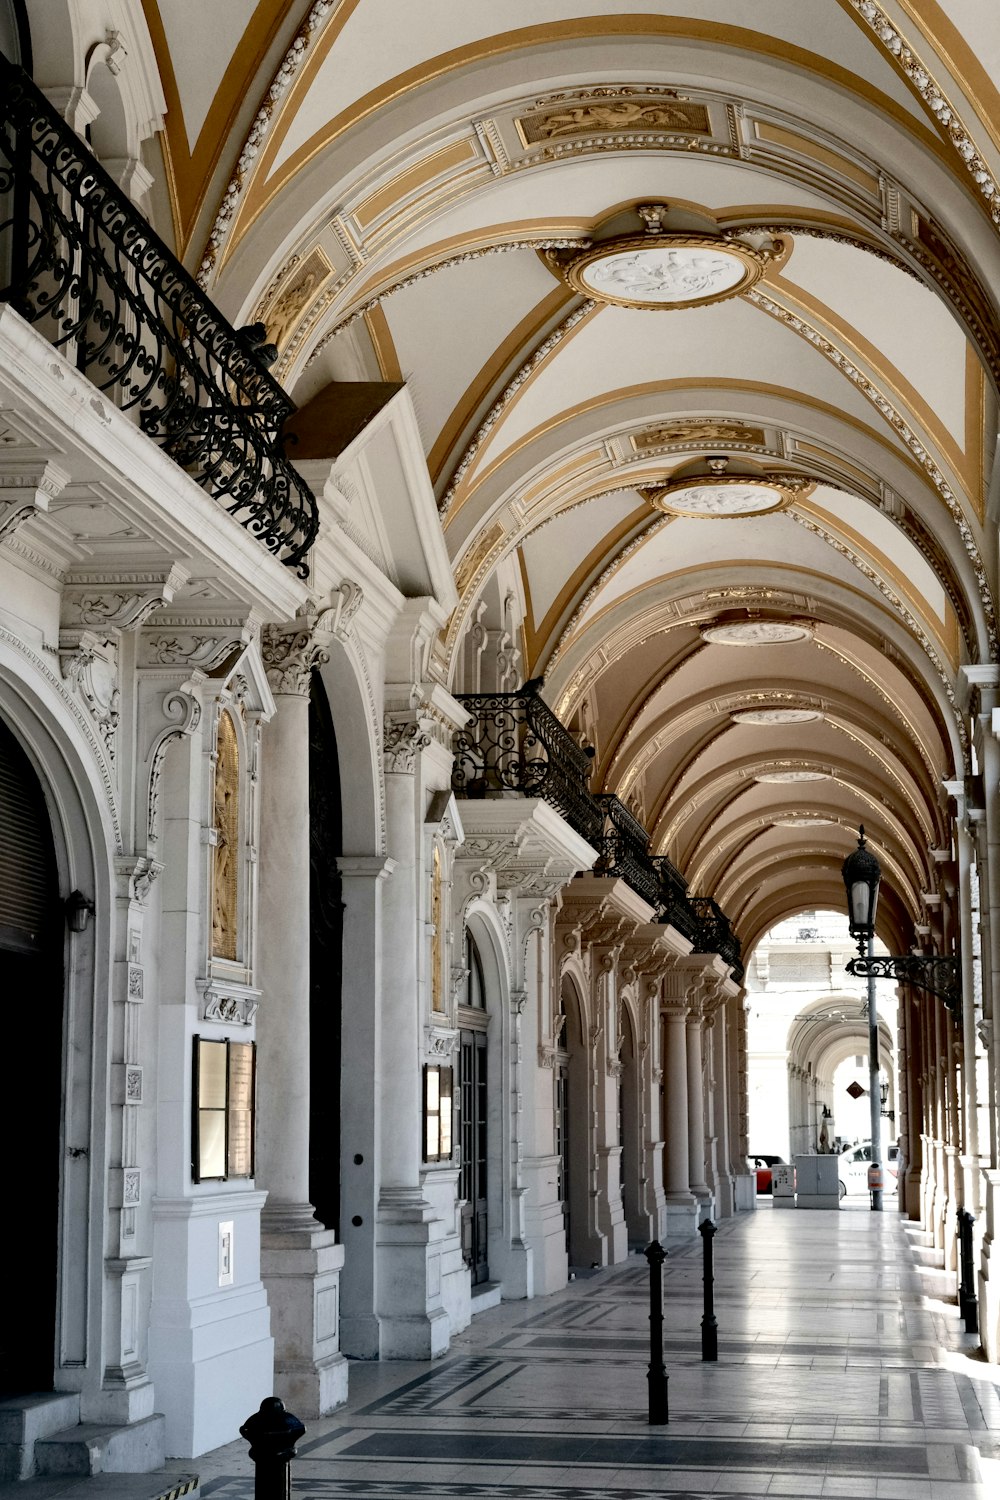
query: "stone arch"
83, 838
350, 690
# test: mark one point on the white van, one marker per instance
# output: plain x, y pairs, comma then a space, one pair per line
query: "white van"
854, 1164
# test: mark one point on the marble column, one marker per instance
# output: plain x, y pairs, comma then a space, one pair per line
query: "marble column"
970, 1162
649, 1079
364, 880
720, 1174
611, 1235
681, 1205
413, 1322
697, 1184
300, 1259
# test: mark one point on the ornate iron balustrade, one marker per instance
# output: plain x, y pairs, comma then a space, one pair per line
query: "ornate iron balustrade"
624, 849
515, 743
79, 260
716, 934
674, 904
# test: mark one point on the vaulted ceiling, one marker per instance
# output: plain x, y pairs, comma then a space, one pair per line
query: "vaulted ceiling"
389, 187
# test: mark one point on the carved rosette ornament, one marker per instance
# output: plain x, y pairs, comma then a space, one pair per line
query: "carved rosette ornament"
291, 653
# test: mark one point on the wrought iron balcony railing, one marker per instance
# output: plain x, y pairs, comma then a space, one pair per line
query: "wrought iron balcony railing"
716, 933
674, 904
515, 743
624, 849
78, 260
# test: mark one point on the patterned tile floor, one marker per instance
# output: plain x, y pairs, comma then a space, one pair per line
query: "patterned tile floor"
843, 1370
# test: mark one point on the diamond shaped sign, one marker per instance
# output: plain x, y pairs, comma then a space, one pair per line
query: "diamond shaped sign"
855, 1090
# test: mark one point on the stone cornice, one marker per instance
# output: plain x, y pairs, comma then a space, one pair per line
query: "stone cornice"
524, 842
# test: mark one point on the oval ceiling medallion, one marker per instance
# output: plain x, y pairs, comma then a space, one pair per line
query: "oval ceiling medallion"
718, 486
787, 776
659, 271
803, 822
776, 716
756, 633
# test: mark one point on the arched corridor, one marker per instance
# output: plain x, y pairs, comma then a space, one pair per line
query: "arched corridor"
491, 504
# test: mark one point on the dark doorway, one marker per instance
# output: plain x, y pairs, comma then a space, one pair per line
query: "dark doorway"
562, 1139
474, 1101
326, 941
31, 948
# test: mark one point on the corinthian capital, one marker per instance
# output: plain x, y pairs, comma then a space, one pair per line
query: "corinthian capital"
291, 652
403, 738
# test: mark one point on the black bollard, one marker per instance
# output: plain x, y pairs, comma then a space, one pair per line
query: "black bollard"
657, 1377
709, 1325
272, 1433
968, 1302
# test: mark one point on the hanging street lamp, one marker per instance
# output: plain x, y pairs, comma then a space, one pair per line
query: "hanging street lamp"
862, 873
931, 972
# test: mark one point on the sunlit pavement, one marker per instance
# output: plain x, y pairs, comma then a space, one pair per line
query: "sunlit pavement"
843, 1370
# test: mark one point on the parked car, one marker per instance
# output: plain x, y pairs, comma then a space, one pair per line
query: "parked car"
854, 1164
762, 1165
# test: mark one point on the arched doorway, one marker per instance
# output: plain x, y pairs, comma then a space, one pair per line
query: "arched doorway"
31, 981
326, 942
630, 1134
572, 1117
473, 1186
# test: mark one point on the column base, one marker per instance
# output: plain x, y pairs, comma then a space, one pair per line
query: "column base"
413, 1323
544, 1226
745, 1192
513, 1266
211, 1354
680, 1217
300, 1267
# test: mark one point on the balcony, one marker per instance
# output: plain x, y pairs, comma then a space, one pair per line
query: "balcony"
515, 744
624, 849
78, 261
716, 933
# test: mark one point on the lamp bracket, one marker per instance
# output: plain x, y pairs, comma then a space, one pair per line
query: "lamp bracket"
937, 975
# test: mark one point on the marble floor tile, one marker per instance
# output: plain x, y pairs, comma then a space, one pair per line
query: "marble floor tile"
842, 1371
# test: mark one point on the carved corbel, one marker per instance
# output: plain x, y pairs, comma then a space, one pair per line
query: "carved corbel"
26, 488
441, 1043
182, 710
89, 666
346, 600
138, 875
108, 601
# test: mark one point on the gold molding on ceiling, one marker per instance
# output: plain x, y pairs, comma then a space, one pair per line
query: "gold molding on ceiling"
249, 195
